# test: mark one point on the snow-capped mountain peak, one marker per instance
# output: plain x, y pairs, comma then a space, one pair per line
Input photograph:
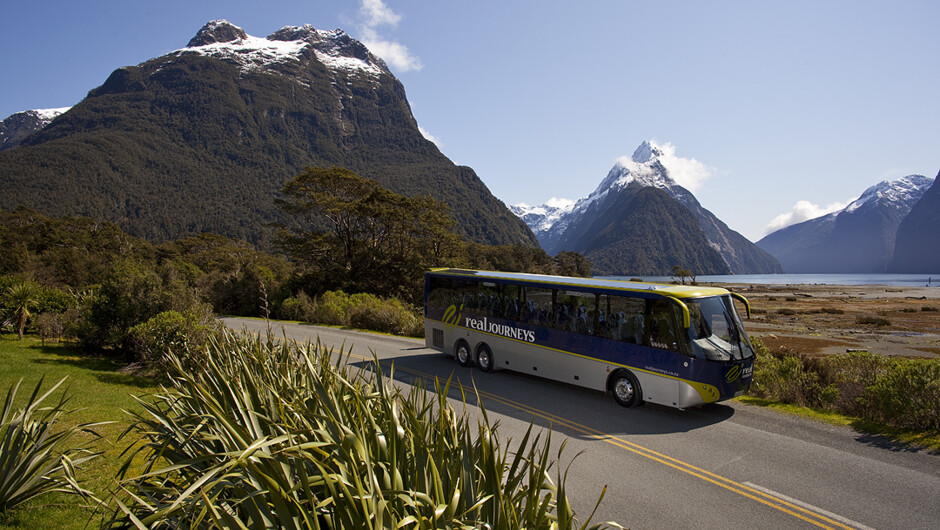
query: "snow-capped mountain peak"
335, 49
643, 168
17, 126
646, 152
905, 190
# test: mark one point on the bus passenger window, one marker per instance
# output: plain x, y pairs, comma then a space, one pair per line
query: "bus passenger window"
626, 317
662, 331
538, 306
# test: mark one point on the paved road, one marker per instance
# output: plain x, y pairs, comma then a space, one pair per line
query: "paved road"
722, 466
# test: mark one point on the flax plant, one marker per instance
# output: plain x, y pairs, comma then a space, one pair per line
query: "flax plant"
274, 434
35, 453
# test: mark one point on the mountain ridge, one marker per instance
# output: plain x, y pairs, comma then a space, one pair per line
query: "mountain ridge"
860, 238
202, 139
564, 226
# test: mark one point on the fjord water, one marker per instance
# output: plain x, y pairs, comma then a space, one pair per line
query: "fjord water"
899, 280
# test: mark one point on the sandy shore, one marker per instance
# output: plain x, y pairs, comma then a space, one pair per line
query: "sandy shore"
828, 319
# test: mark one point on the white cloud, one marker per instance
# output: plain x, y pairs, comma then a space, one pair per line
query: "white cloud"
802, 211
378, 14
687, 172
375, 14
429, 136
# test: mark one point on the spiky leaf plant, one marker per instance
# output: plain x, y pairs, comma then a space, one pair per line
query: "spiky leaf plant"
274, 434
35, 452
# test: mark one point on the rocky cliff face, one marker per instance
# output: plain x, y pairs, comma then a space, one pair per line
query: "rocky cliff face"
917, 241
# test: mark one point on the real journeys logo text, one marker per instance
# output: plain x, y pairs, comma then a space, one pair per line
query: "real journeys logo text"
451, 316
500, 329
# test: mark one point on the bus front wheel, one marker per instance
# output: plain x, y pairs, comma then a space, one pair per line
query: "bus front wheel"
463, 353
485, 358
626, 389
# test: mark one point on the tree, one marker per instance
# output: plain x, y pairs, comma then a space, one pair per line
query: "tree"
361, 237
568, 263
21, 299
679, 274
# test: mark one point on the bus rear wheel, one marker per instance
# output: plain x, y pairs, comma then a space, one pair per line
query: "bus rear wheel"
485, 358
626, 389
463, 353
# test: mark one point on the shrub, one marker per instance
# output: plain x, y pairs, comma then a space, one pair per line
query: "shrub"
274, 434
786, 311
332, 308
38, 455
903, 393
907, 395
928, 308
872, 320
785, 377
182, 334
832, 311
300, 307
389, 316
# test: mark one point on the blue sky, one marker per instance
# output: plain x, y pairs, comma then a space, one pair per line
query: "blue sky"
774, 107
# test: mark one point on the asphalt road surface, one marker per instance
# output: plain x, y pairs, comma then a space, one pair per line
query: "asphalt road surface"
724, 465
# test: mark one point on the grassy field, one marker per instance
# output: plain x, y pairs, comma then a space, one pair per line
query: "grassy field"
100, 391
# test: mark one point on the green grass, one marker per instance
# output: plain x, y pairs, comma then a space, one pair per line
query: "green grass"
99, 390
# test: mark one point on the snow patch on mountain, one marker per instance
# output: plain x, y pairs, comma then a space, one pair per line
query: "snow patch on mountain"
335, 49
543, 217
903, 191
47, 115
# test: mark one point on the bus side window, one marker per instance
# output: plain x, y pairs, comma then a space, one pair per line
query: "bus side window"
662, 330
538, 306
627, 319
441, 295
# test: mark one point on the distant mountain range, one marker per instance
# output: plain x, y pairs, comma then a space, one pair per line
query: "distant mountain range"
22, 124
203, 138
640, 221
861, 237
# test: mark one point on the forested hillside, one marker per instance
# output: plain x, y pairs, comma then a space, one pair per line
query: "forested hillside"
196, 142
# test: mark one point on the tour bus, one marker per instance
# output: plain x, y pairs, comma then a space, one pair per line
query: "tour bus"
676, 345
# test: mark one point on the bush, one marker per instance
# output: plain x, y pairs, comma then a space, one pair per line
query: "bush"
907, 395
275, 434
333, 308
786, 311
182, 334
903, 393
301, 308
832, 311
389, 316
872, 320
38, 448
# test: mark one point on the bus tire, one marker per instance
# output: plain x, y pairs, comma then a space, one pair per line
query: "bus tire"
626, 389
462, 353
485, 358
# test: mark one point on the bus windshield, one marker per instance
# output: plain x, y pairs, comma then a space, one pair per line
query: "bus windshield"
716, 332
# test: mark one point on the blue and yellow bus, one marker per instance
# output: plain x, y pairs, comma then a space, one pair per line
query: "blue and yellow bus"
676, 345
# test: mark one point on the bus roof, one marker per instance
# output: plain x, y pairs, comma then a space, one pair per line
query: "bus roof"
677, 291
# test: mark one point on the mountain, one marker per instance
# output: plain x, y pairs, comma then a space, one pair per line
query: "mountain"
917, 243
20, 125
203, 138
609, 227
857, 239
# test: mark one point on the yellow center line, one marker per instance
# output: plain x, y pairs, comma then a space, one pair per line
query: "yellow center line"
777, 503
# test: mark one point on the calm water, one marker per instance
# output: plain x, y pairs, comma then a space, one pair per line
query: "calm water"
903, 280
